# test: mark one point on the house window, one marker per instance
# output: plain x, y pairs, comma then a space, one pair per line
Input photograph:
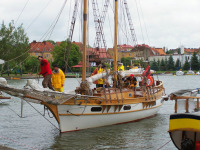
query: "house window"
47, 55
36, 54
129, 54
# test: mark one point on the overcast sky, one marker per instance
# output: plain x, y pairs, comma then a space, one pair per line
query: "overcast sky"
158, 23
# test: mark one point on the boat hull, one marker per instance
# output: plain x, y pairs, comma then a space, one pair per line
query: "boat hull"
75, 120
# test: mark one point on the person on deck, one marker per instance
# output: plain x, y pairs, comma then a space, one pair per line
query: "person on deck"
120, 67
96, 72
101, 81
58, 79
45, 72
132, 81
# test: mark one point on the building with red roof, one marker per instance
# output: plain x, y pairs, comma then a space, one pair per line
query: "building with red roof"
43, 49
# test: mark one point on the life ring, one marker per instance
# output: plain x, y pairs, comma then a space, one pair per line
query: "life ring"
149, 80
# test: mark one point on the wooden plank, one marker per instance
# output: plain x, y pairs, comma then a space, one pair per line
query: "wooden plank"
108, 108
116, 106
185, 97
175, 106
187, 106
197, 103
104, 107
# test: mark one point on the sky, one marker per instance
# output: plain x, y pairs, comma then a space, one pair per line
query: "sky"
158, 23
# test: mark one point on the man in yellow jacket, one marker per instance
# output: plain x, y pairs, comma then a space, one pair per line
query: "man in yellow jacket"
120, 67
58, 79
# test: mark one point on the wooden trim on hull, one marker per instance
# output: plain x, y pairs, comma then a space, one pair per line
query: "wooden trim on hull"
110, 113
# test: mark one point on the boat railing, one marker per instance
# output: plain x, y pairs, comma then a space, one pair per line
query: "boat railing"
185, 104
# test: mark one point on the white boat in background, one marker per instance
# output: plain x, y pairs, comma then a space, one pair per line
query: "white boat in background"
190, 72
198, 73
179, 73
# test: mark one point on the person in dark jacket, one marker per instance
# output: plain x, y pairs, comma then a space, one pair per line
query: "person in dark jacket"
46, 73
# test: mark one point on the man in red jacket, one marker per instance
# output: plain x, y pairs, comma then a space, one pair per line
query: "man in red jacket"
46, 72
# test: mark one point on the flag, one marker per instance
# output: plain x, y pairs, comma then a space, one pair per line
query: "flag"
147, 72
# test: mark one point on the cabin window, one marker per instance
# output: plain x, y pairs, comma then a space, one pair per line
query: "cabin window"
96, 109
127, 107
130, 94
155, 103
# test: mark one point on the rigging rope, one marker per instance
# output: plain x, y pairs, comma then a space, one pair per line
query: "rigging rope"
164, 145
43, 116
21, 11
140, 21
12, 110
144, 23
38, 15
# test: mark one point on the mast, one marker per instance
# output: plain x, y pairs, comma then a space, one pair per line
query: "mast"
115, 41
84, 40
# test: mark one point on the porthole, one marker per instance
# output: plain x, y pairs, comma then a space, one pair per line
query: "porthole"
130, 94
127, 107
96, 109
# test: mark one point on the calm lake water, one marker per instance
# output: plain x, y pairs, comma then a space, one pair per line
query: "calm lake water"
34, 132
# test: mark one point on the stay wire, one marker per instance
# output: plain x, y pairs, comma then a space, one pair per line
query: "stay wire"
140, 21
43, 116
144, 22
22, 11
57, 18
12, 110
38, 15
164, 145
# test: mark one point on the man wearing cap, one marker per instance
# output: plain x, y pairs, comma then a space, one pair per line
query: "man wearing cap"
132, 81
45, 72
58, 78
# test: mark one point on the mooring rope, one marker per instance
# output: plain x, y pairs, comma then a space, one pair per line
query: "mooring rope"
164, 145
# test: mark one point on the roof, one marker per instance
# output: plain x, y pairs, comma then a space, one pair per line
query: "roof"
191, 50
158, 51
41, 47
101, 52
124, 46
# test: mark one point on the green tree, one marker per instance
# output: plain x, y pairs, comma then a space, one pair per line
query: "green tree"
162, 65
158, 63
52, 42
154, 65
60, 51
14, 44
126, 61
166, 64
194, 62
178, 64
186, 66
170, 63
32, 64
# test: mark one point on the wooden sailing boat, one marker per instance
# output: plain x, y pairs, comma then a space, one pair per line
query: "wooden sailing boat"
108, 106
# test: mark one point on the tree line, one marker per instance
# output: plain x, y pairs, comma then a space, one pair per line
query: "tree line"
170, 65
